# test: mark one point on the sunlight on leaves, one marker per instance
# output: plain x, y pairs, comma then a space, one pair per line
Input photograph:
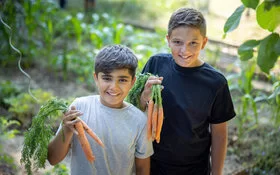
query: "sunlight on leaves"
234, 20
268, 19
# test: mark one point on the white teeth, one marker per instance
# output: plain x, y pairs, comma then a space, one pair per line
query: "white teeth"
113, 94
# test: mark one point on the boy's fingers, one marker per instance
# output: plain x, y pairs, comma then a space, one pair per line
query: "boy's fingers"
76, 114
152, 81
71, 124
74, 130
73, 114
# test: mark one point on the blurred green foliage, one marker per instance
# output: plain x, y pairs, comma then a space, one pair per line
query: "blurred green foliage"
59, 169
265, 54
23, 106
7, 132
7, 90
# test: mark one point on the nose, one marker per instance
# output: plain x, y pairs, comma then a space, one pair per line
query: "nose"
184, 49
114, 85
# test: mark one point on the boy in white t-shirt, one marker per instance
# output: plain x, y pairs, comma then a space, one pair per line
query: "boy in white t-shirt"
120, 125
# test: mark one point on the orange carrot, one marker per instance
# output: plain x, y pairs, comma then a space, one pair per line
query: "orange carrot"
154, 120
159, 123
92, 134
84, 142
149, 119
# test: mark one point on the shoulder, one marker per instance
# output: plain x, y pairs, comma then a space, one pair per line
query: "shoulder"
214, 74
162, 56
85, 100
157, 62
137, 114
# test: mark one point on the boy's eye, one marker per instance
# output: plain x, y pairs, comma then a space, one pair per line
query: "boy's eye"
176, 42
194, 43
123, 80
106, 78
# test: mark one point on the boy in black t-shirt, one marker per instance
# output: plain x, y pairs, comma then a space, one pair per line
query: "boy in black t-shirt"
196, 101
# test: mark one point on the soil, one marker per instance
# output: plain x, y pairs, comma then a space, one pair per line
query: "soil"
61, 88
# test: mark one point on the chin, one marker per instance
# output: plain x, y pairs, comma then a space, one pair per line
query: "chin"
183, 63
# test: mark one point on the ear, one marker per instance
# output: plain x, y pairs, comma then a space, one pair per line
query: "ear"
95, 76
133, 81
205, 40
168, 40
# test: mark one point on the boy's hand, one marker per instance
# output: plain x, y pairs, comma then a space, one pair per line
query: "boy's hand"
146, 94
70, 118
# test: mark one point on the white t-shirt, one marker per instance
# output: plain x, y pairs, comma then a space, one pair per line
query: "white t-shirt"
123, 132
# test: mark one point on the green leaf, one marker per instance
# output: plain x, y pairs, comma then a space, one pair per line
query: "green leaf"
245, 51
277, 47
268, 19
250, 3
270, 3
234, 20
77, 29
276, 91
267, 56
246, 55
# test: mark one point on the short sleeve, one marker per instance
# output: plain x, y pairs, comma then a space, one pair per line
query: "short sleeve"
144, 147
222, 109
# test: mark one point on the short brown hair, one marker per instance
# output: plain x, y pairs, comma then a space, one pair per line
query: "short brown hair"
115, 57
187, 17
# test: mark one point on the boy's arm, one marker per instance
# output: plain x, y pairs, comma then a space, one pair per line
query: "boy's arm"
142, 166
218, 147
59, 146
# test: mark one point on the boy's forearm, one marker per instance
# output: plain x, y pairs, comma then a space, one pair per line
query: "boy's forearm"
218, 148
142, 166
59, 146
143, 103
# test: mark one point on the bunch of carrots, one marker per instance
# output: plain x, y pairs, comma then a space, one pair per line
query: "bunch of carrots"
37, 137
155, 114
81, 127
154, 111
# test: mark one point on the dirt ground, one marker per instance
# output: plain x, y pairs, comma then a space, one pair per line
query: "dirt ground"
41, 79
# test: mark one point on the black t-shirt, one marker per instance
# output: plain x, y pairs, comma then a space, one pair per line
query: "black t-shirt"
193, 98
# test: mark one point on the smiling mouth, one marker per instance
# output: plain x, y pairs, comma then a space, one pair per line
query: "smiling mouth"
112, 94
186, 57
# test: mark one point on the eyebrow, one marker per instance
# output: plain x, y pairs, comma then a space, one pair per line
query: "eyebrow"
181, 39
123, 76
108, 75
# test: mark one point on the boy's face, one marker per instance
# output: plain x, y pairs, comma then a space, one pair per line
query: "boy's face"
185, 44
114, 87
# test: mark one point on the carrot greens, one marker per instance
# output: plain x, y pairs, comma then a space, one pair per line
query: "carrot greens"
134, 94
37, 137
